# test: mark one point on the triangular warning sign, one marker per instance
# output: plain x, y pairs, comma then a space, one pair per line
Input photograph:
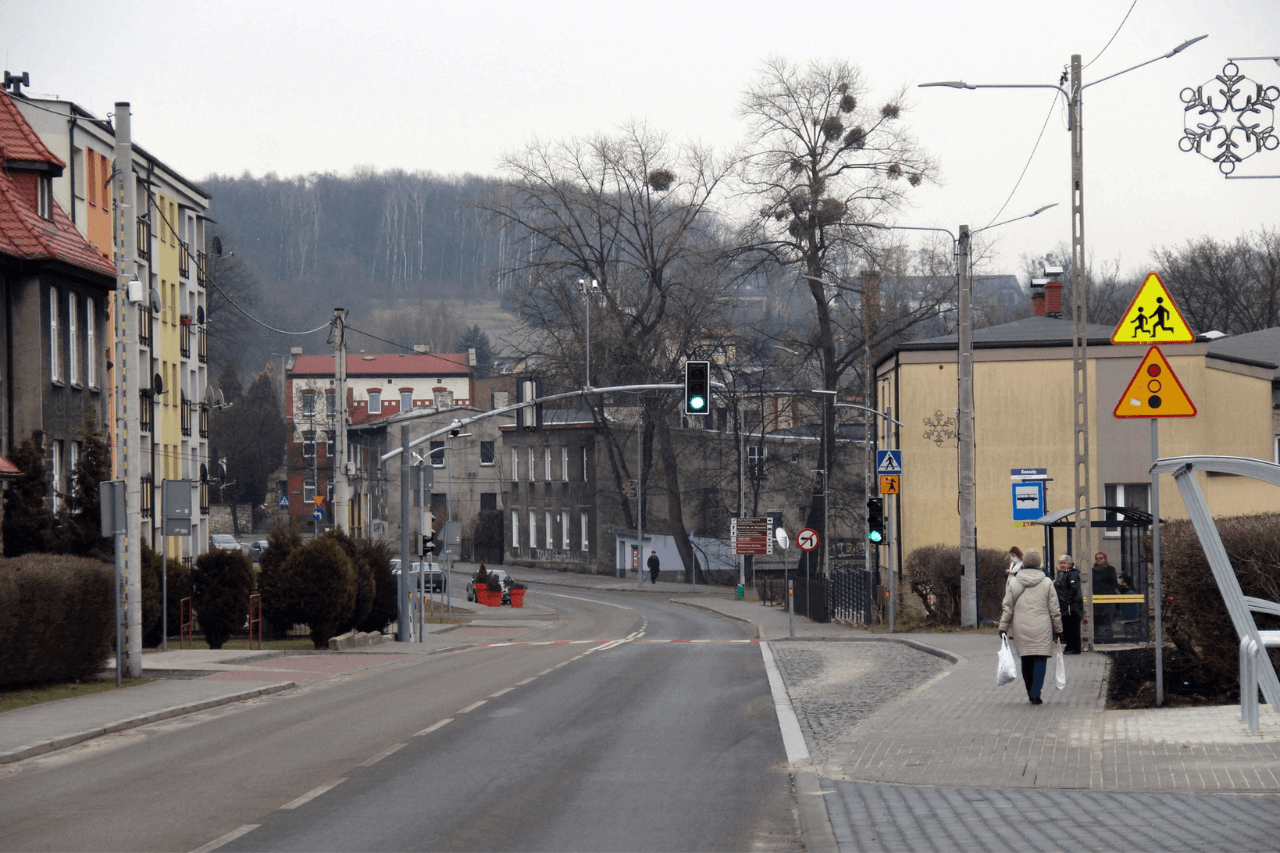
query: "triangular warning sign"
1153, 318
1155, 392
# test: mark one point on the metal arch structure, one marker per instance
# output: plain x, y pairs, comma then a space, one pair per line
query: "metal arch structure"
1183, 468
1235, 119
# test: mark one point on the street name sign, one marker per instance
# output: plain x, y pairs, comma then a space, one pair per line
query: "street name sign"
752, 535
1154, 392
1153, 318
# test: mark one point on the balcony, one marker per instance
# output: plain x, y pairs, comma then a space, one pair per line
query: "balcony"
184, 260
146, 410
184, 336
202, 276
202, 346
204, 420
147, 496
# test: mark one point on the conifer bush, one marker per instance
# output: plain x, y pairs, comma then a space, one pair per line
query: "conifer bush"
281, 607
221, 584
323, 584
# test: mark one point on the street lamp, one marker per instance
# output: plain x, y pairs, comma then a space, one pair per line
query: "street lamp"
1080, 302
964, 429
590, 289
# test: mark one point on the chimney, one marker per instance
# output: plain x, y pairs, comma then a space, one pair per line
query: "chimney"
424, 349
1053, 300
1037, 295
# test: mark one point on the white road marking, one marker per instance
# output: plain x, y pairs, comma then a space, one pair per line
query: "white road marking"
792, 737
526, 681
227, 839
471, 708
429, 729
311, 795
382, 755
500, 692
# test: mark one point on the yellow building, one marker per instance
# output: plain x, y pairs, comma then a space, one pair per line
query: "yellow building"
1023, 398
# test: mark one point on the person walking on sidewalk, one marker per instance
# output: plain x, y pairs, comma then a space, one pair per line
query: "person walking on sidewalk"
1070, 603
1031, 611
655, 566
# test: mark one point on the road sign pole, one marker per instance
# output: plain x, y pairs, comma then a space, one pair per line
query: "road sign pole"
1155, 559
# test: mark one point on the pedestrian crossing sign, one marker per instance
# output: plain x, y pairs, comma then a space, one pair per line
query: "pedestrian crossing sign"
1153, 318
888, 461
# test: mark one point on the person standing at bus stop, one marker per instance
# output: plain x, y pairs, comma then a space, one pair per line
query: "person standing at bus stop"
1104, 583
655, 566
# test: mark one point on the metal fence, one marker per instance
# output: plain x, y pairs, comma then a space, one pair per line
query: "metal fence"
851, 593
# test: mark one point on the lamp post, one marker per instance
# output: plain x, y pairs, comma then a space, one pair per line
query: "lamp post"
964, 427
1080, 302
589, 291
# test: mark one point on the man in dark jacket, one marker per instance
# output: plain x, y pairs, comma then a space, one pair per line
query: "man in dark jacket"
655, 566
1070, 603
1105, 582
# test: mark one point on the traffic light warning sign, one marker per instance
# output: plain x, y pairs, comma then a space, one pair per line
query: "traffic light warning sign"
1153, 318
1154, 392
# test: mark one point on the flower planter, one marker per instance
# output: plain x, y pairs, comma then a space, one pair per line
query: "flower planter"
517, 597
489, 598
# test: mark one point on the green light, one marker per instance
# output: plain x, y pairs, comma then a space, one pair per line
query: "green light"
697, 403
875, 536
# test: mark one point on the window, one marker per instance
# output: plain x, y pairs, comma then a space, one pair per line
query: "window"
437, 454
308, 402
532, 464
515, 464
308, 445
551, 541
546, 464
91, 178
73, 354
533, 529
330, 401
147, 496
564, 530
486, 452
309, 490
584, 463
185, 415
488, 501
331, 443
375, 402
755, 462
564, 468
406, 401
586, 540
73, 462
90, 342
44, 197
515, 528
1128, 495
204, 489
53, 335
55, 467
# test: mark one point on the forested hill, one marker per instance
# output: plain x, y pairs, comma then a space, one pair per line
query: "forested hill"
375, 243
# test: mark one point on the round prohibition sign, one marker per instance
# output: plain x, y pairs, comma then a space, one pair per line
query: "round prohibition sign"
807, 539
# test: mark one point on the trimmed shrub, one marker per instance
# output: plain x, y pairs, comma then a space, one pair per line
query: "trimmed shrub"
933, 575
56, 618
280, 605
220, 586
28, 524
325, 587
366, 582
1195, 617
178, 584
382, 611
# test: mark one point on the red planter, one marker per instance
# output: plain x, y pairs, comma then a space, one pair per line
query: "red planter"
488, 597
517, 597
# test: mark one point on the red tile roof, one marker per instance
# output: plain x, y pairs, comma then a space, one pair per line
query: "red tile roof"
18, 141
403, 364
23, 232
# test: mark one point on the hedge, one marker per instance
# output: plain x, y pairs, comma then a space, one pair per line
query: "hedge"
933, 574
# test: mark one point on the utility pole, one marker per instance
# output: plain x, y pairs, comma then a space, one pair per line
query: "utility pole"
128, 456
340, 487
968, 497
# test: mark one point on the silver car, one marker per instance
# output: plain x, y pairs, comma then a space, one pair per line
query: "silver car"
256, 548
223, 542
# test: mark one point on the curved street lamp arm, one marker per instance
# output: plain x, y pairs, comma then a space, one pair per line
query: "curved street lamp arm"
1179, 49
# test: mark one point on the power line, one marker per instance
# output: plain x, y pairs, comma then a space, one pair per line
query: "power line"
1031, 157
376, 338
1113, 36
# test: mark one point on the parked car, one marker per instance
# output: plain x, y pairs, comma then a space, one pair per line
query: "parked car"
502, 576
435, 580
256, 547
223, 542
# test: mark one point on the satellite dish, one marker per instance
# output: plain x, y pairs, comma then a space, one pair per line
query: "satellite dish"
157, 384
208, 396
222, 401
200, 314
217, 246
784, 542
155, 300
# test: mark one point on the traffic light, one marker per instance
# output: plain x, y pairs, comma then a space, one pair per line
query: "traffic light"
875, 521
697, 387
428, 544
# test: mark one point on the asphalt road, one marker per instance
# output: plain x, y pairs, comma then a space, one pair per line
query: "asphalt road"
652, 744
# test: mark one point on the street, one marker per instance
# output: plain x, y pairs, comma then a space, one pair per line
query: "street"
651, 744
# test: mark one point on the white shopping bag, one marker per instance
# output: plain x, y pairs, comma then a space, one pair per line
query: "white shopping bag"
1007, 668
1059, 668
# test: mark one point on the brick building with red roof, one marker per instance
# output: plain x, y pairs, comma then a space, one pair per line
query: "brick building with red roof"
56, 289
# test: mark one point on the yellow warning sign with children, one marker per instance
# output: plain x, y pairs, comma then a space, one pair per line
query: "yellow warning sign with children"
1153, 318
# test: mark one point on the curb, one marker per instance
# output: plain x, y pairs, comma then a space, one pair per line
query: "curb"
32, 750
697, 605
951, 657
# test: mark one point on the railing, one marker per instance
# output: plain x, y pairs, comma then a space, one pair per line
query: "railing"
144, 323
187, 625
204, 420
203, 346
851, 593
184, 336
186, 416
148, 496
204, 497
202, 277
146, 409
184, 260
144, 239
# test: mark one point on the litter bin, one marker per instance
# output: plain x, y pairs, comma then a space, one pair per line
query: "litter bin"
740, 592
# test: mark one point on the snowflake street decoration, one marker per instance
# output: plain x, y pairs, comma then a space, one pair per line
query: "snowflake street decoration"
939, 429
1237, 126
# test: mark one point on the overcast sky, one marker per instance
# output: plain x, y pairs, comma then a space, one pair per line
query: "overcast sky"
300, 87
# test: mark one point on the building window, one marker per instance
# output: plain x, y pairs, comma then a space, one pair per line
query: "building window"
186, 415
204, 420
144, 323
487, 452
73, 353
375, 402
584, 463
755, 462
146, 409
532, 464
308, 402
73, 462
144, 239
586, 540
515, 528
331, 443
91, 342
55, 468
309, 490
308, 445
1129, 496
488, 501
515, 463
551, 541
546, 464
564, 466
44, 197
564, 530
54, 350
437, 454
406, 401
147, 496
330, 401
204, 489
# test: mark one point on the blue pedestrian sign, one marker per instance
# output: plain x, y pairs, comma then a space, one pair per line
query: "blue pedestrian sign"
318, 515
888, 461
1028, 501
284, 501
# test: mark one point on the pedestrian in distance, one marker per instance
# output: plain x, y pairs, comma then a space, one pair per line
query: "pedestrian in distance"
1070, 603
655, 566
1015, 561
1105, 582
1031, 612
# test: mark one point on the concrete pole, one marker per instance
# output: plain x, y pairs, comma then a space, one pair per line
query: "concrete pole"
640, 563
341, 491
128, 437
406, 556
968, 507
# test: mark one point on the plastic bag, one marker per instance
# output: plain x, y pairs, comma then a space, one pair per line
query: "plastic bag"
1059, 668
1006, 668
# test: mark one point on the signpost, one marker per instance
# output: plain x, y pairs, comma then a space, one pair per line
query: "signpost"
752, 535
807, 539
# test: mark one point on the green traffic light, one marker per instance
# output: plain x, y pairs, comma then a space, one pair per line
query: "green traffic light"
875, 536
697, 403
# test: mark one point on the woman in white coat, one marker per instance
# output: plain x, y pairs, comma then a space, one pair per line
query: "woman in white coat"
1031, 611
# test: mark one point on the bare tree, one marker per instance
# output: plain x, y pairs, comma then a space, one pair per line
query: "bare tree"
1229, 287
633, 212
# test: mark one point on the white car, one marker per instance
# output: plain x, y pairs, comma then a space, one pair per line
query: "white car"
223, 542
